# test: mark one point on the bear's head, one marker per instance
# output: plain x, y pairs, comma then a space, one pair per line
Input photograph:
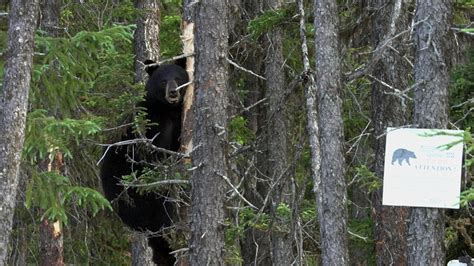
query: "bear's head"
166, 83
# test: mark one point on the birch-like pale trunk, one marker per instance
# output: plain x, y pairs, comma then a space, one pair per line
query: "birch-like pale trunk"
13, 108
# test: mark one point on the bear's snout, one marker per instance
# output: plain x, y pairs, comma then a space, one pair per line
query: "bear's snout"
172, 93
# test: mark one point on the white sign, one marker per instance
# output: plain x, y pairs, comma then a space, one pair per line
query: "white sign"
419, 169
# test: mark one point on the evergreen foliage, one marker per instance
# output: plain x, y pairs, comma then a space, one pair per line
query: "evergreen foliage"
83, 95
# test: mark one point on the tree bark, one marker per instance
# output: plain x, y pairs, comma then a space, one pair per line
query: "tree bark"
13, 104
50, 15
146, 46
256, 243
426, 226
51, 237
277, 144
331, 190
389, 110
51, 244
311, 91
187, 38
210, 136
146, 37
312, 126
142, 255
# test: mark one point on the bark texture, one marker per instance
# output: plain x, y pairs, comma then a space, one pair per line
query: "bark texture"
142, 255
426, 227
276, 141
50, 11
186, 138
51, 237
331, 190
13, 108
51, 244
255, 246
210, 136
146, 46
312, 126
389, 110
146, 37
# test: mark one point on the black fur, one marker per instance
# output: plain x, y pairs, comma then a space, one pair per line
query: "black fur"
148, 212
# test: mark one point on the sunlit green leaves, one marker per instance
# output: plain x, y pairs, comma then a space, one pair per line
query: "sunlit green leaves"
87, 198
467, 197
268, 20
46, 134
54, 193
67, 70
461, 93
367, 179
239, 131
169, 36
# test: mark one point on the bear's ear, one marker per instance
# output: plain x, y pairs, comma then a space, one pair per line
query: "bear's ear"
181, 62
150, 66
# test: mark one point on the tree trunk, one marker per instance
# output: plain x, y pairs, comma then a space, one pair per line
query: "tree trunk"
142, 255
426, 227
312, 126
210, 136
50, 15
331, 190
277, 144
51, 244
255, 244
146, 37
19, 242
51, 236
389, 111
146, 46
13, 104
187, 38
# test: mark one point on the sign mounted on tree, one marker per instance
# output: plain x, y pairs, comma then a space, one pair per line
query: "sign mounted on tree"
422, 168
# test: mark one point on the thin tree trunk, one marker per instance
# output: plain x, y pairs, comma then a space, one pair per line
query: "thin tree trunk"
256, 243
146, 37
51, 236
426, 227
19, 245
210, 136
187, 38
277, 144
142, 255
50, 15
51, 244
389, 111
311, 92
311, 102
331, 190
146, 46
13, 104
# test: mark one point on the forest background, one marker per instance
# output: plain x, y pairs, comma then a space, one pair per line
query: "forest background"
84, 91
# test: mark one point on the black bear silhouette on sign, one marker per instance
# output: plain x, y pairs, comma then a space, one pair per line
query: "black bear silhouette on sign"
401, 155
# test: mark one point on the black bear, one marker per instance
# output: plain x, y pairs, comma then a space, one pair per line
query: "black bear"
148, 211
401, 155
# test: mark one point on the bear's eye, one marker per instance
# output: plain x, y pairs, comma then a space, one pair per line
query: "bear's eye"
180, 81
